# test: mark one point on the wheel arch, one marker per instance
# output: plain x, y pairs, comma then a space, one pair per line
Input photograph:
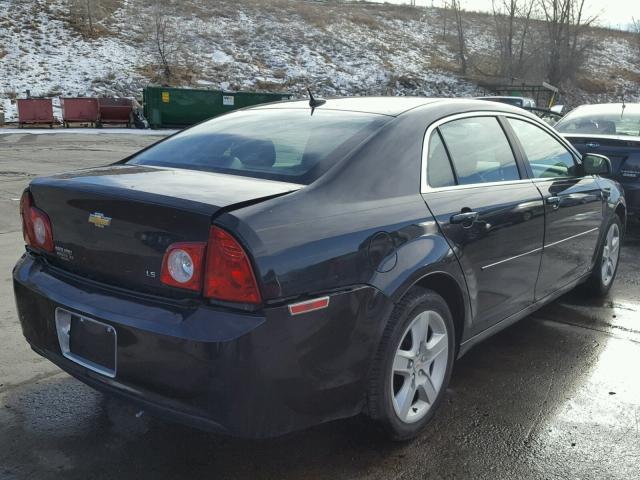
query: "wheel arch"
621, 212
454, 294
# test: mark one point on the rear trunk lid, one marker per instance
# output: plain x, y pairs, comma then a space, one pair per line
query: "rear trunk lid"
114, 224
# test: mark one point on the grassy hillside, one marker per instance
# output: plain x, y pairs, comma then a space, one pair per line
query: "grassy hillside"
338, 49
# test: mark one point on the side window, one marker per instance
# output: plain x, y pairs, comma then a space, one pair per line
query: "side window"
439, 173
479, 150
547, 157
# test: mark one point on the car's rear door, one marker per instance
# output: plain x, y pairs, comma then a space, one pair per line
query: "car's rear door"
574, 206
492, 217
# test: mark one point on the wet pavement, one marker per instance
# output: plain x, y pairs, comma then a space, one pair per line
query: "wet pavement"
555, 396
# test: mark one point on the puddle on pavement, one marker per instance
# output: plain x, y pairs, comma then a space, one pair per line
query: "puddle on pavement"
616, 317
600, 420
618, 313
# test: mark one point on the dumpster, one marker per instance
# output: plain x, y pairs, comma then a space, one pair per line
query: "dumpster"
166, 107
79, 110
35, 111
115, 110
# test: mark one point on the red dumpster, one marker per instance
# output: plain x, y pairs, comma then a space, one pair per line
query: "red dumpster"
79, 110
115, 110
35, 111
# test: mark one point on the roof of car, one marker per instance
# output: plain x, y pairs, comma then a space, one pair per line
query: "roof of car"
393, 106
380, 105
492, 97
607, 108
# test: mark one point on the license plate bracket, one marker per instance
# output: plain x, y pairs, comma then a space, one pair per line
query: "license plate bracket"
87, 342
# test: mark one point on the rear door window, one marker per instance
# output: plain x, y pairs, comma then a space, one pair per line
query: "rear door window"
439, 172
547, 157
479, 150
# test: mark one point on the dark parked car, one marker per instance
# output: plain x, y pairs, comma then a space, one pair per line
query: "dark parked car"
612, 130
522, 102
550, 116
275, 267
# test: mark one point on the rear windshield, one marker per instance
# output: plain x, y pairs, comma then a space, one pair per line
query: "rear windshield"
602, 121
278, 144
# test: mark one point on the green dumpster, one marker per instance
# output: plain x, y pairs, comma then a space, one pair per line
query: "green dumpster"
166, 107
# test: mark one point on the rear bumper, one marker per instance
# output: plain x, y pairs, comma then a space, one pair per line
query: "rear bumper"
251, 375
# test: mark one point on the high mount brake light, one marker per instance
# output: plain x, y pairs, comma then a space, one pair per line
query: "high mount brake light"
36, 226
229, 275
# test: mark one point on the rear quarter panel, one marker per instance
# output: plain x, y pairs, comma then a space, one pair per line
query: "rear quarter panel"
383, 245
363, 223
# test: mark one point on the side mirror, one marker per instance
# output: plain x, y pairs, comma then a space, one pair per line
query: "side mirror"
596, 164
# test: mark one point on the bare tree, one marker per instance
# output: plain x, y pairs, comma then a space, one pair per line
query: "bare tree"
529, 10
85, 14
461, 44
512, 20
635, 28
164, 37
445, 15
566, 22
89, 8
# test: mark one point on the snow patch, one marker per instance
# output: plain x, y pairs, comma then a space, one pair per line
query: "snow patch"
248, 45
220, 57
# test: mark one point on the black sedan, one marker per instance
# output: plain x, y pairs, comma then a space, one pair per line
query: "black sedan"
613, 130
283, 266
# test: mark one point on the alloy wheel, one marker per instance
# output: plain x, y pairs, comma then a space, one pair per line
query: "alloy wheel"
610, 254
419, 366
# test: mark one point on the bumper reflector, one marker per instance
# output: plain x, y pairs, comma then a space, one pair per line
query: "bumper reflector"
309, 306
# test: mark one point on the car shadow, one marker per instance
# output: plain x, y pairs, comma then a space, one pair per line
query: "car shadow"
501, 394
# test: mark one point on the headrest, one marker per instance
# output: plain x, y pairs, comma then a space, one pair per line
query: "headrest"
255, 153
587, 126
606, 127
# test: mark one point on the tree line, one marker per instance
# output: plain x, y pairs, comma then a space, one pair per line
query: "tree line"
543, 39
535, 40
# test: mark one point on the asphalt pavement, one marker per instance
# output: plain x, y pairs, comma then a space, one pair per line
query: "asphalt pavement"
555, 396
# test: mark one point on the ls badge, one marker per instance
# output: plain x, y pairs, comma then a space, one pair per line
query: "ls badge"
99, 220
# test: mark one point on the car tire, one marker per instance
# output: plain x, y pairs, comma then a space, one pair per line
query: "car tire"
606, 266
413, 364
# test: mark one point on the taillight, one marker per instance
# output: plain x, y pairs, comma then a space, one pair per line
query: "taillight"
36, 226
225, 274
183, 264
229, 276
25, 213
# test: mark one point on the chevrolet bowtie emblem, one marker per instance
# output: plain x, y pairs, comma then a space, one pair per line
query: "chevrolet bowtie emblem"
99, 220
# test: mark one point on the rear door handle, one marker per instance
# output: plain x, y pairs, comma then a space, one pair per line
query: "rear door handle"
464, 217
555, 201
